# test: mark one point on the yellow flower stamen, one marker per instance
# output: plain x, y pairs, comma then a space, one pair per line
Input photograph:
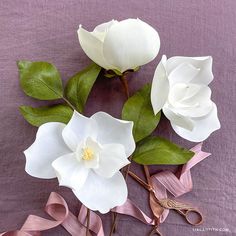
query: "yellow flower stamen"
88, 154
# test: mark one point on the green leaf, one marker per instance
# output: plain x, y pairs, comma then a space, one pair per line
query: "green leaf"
138, 109
156, 150
41, 115
40, 80
80, 85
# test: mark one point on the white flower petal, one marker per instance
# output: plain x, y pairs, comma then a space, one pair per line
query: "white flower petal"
104, 26
178, 120
92, 164
190, 100
160, 86
103, 194
204, 76
112, 130
182, 73
70, 172
111, 159
185, 94
101, 30
78, 129
93, 47
203, 127
130, 43
179, 92
48, 146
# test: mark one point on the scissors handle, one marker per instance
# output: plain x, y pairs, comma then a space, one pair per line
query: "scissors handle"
187, 215
183, 209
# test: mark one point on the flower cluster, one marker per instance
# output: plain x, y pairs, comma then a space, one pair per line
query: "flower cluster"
87, 154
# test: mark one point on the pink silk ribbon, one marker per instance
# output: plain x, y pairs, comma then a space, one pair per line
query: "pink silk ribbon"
129, 208
57, 207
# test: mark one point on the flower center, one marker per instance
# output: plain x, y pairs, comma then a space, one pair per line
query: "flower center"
87, 154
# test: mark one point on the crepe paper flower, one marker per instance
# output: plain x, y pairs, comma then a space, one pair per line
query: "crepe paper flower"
122, 45
180, 88
86, 156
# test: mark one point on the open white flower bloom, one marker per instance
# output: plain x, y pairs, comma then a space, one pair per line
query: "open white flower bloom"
86, 156
120, 45
180, 89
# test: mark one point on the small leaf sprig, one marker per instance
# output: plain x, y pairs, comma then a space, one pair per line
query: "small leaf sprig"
42, 81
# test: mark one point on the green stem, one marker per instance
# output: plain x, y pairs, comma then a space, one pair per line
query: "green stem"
124, 82
113, 226
115, 215
128, 168
125, 85
69, 103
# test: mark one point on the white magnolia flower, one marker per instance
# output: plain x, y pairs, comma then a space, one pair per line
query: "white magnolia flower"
120, 45
180, 89
86, 156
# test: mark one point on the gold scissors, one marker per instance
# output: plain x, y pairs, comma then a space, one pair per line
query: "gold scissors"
183, 209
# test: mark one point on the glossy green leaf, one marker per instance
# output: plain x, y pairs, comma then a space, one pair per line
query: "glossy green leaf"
40, 80
156, 150
80, 85
138, 109
41, 115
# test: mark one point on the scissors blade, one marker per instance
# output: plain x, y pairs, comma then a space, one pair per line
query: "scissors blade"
157, 209
147, 174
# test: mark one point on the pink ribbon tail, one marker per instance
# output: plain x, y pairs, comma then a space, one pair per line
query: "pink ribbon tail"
129, 208
57, 208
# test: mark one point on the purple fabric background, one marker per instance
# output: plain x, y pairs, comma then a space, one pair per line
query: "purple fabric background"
46, 30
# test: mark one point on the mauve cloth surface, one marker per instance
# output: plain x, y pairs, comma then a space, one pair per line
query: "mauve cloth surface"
46, 30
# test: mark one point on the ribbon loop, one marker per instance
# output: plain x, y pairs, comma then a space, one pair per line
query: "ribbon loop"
58, 209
